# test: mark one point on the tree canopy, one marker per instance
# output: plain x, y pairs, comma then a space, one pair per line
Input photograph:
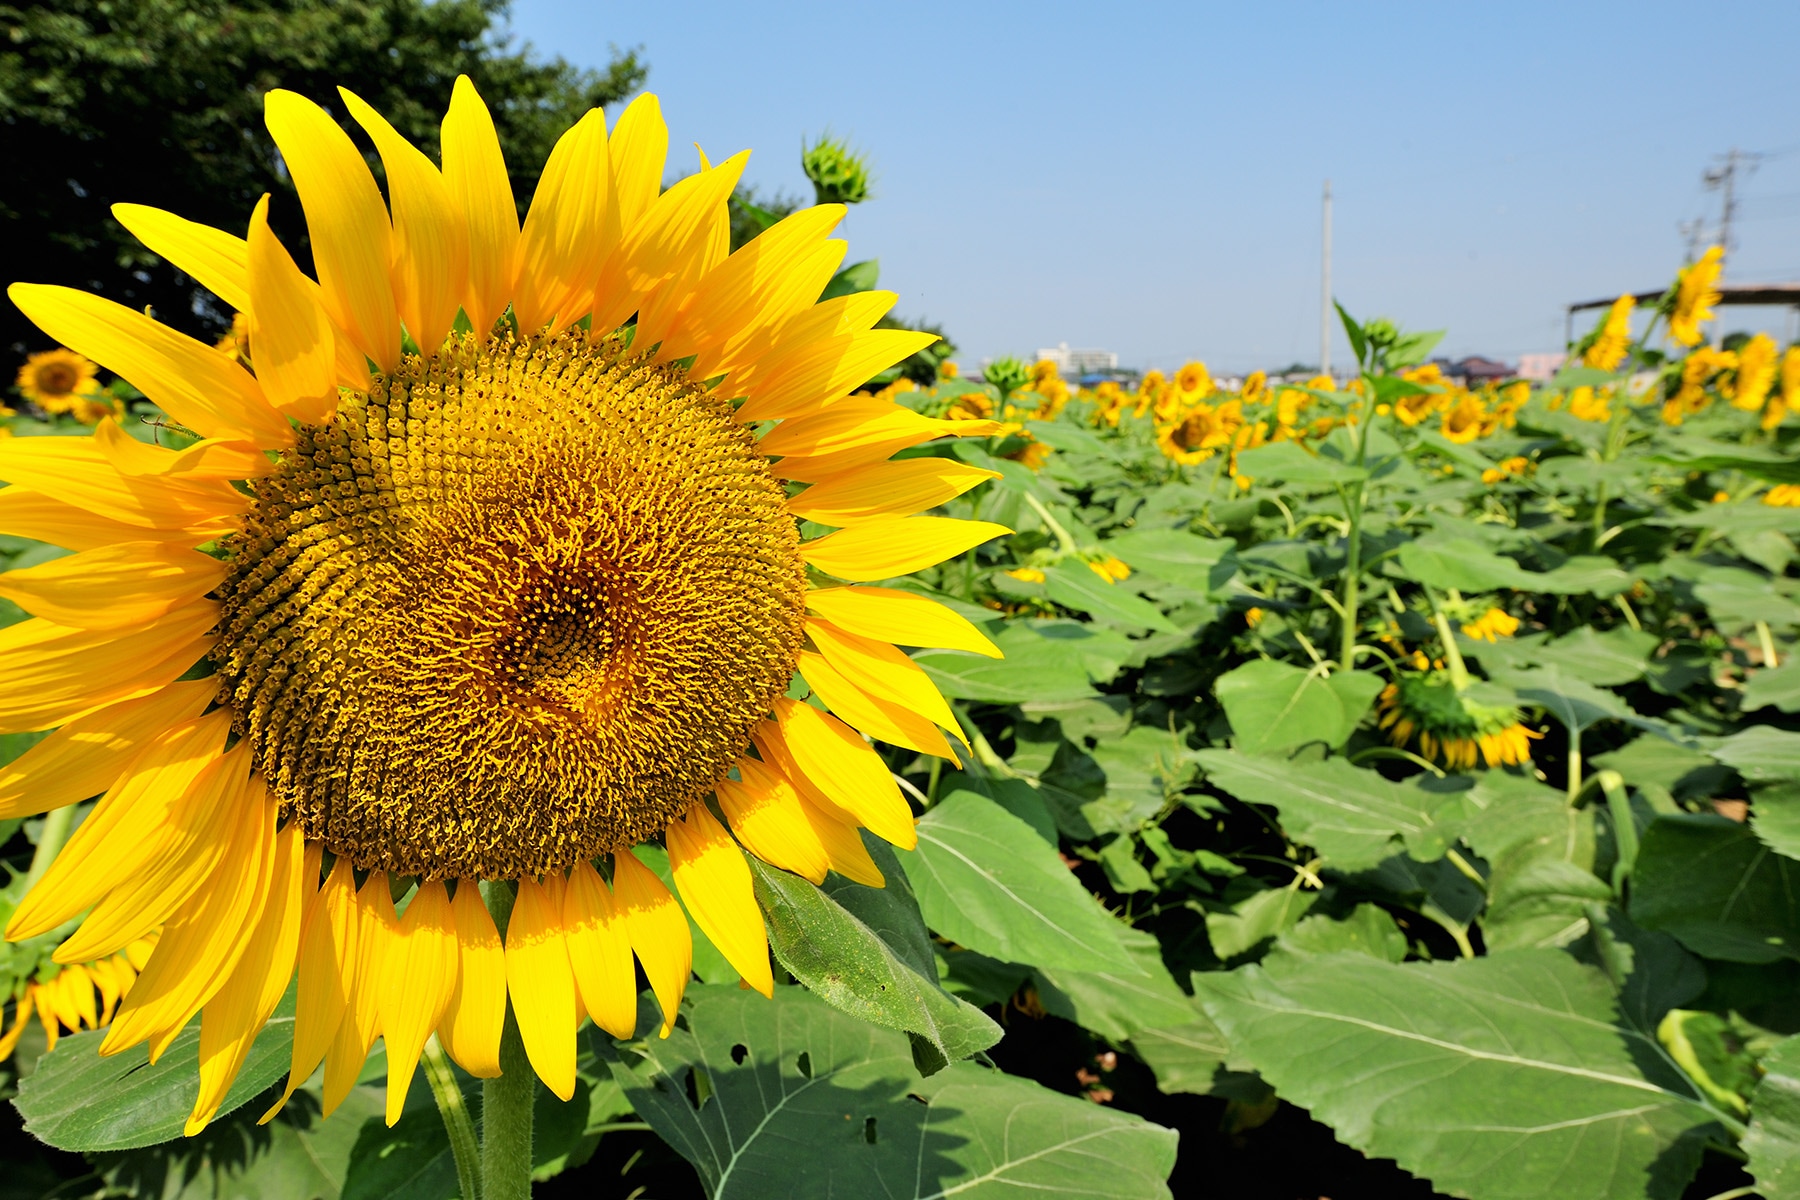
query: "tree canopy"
160, 102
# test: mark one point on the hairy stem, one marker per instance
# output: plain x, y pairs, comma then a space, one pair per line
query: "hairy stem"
464, 1146
506, 1100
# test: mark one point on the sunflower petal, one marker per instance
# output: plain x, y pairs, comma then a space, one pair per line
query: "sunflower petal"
192, 382
78, 471
475, 174
28, 513
219, 261
600, 952
765, 812
121, 831
904, 618
419, 975
377, 928
844, 768
352, 242
431, 245
327, 955
889, 489
241, 1008
885, 549
639, 148
871, 715
128, 584
476, 1014
812, 382
541, 984
658, 932
675, 230
843, 841
50, 673
85, 756
291, 333
571, 228
715, 886
882, 671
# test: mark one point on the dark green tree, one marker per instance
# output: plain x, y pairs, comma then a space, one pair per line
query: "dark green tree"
160, 102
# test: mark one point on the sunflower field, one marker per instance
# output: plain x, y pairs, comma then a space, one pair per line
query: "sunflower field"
625, 684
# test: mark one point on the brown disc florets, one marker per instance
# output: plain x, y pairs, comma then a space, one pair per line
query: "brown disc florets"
518, 605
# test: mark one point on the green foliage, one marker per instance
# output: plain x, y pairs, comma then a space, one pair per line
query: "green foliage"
159, 102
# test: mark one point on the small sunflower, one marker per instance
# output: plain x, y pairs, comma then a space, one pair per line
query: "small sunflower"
1613, 338
1450, 726
500, 584
65, 998
1694, 296
1492, 625
55, 380
1194, 381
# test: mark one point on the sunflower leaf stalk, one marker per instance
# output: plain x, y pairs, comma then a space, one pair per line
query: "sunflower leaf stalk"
506, 1100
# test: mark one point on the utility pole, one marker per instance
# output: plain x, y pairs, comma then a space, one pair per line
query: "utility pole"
1723, 179
1325, 287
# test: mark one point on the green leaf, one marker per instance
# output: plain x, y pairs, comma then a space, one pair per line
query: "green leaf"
1713, 885
1761, 754
876, 963
1253, 921
1287, 463
1587, 574
1184, 1058
1566, 696
1045, 661
985, 880
1617, 656
1497, 1078
1359, 340
1773, 1141
300, 1155
1446, 562
1075, 585
801, 1100
1538, 898
1351, 815
1737, 598
76, 1100
1202, 564
1778, 686
857, 277
1116, 1005
1775, 816
1367, 930
1144, 769
1411, 349
1274, 706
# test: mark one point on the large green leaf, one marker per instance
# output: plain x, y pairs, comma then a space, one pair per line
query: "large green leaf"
300, 1155
1779, 686
1775, 815
1565, 695
76, 1100
1718, 889
1075, 585
1199, 563
1761, 754
1286, 462
1044, 662
875, 963
1737, 598
1773, 1141
987, 881
1498, 1078
1351, 815
1446, 562
1255, 919
1115, 1005
1617, 656
791, 1100
1274, 706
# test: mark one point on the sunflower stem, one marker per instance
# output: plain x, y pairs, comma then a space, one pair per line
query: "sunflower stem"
465, 1148
506, 1100
51, 837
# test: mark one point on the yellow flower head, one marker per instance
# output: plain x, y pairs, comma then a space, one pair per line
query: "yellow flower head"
1697, 370
1449, 726
1756, 369
1589, 405
1613, 338
1413, 409
55, 379
1151, 383
1254, 386
1695, 296
1464, 422
1492, 625
947, 370
1783, 495
66, 1000
504, 590
1110, 569
1253, 617
1194, 381
1784, 401
1027, 574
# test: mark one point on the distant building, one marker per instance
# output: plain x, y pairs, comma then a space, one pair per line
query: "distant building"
1539, 368
1077, 363
1475, 370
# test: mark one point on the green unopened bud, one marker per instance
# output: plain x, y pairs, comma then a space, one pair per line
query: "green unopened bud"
839, 174
1008, 374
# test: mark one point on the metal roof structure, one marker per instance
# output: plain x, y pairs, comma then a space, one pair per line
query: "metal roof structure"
1747, 293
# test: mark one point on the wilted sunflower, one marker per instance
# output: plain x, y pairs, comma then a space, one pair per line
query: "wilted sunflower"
495, 584
1450, 726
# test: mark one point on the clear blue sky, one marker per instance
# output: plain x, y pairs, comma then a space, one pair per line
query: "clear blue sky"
1145, 177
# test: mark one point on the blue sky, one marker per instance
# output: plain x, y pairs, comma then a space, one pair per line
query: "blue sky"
1145, 177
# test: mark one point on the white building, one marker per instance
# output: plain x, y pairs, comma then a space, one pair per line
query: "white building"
1075, 363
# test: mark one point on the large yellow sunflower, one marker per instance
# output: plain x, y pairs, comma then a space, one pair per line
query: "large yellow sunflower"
489, 571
